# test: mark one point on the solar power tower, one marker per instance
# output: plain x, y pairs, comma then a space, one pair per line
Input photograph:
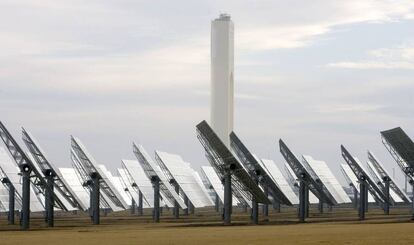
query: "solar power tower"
140, 184
29, 175
62, 190
181, 177
386, 177
98, 180
227, 167
306, 183
320, 172
365, 183
401, 148
159, 181
259, 174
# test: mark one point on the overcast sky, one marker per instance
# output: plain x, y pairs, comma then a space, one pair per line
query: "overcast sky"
315, 73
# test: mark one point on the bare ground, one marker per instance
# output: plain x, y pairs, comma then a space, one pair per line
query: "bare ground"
340, 226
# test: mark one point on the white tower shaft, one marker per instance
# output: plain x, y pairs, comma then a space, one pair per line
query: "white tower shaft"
222, 75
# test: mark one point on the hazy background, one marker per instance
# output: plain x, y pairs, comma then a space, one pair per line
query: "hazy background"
315, 73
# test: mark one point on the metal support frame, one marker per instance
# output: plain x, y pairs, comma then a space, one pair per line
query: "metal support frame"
320, 206
191, 207
384, 174
412, 198
316, 187
321, 200
12, 193
255, 212
303, 190
217, 203
366, 199
156, 212
186, 201
176, 205
371, 186
95, 197
25, 215
387, 180
355, 191
227, 166
140, 204
265, 205
227, 199
276, 206
59, 183
307, 202
49, 195
133, 206
362, 197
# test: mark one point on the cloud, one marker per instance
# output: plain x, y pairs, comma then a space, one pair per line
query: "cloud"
299, 31
113, 71
400, 57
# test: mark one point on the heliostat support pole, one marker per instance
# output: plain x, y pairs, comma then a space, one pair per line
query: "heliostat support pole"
187, 203
355, 191
95, 195
366, 198
217, 203
362, 202
12, 192
176, 205
265, 205
255, 211
25, 223
307, 201
133, 204
302, 200
156, 183
321, 199
191, 206
227, 199
387, 195
320, 206
412, 199
276, 206
140, 204
50, 198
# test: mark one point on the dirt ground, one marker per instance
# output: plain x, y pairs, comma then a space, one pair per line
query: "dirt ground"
336, 227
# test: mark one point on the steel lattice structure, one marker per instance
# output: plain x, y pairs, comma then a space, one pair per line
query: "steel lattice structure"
384, 174
84, 178
22, 160
378, 195
401, 148
44, 164
256, 170
89, 166
315, 187
150, 170
223, 160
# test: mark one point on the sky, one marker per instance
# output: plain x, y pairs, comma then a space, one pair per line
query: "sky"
317, 74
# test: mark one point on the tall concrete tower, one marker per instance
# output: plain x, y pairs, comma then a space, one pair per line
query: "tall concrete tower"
222, 75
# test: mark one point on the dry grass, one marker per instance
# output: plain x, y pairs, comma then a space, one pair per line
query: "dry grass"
337, 227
